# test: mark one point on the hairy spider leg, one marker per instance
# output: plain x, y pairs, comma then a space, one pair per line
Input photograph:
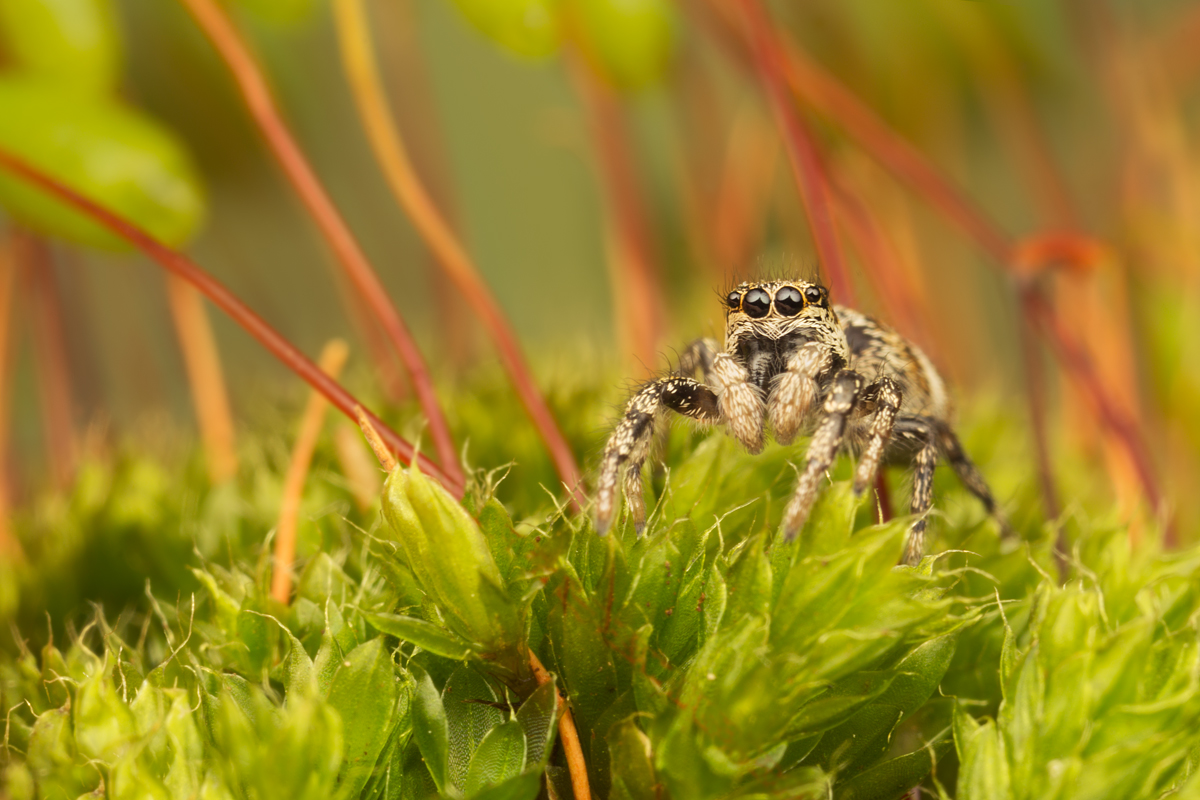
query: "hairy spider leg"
969, 474
886, 396
698, 357
922, 500
827, 439
630, 442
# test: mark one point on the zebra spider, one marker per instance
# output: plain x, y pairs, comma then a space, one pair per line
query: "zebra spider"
793, 360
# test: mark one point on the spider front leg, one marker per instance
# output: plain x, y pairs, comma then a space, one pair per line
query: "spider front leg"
839, 404
630, 443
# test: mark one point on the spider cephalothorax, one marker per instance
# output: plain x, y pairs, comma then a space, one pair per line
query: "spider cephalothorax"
794, 361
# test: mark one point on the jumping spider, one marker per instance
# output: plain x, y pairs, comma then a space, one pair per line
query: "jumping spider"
795, 361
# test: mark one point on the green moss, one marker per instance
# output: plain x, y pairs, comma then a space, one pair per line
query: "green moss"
706, 659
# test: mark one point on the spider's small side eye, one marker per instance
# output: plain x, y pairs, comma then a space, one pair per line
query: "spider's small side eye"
814, 295
757, 303
788, 301
734, 299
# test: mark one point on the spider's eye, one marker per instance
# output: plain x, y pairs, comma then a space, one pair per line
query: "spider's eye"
757, 303
788, 301
814, 295
734, 299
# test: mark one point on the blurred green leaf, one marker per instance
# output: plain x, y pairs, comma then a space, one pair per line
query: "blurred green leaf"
632, 763
72, 42
526, 28
107, 152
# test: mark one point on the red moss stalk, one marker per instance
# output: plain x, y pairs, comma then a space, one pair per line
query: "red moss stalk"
806, 162
417, 202
50, 347
10, 546
259, 101
1075, 358
180, 265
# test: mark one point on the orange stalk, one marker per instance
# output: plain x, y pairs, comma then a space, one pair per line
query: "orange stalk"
375, 440
53, 365
568, 734
259, 101
202, 361
10, 547
362, 478
222, 298
806, 161
332, 359
367, 87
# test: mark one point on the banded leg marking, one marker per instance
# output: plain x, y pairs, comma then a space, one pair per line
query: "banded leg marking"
970, 476
839, 403
698, 357
922, 500
630, 442
886, 396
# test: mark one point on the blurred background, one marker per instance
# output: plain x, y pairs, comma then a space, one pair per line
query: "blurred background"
611, 165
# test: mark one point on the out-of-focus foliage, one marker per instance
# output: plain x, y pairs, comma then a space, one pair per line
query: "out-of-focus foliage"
60, 112
73, 42
627, 42
106, 151
706, 659
527, 28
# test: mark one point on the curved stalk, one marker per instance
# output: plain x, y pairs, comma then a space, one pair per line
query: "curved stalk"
182, 266
806, 162
359, 61
333, 358
261, 104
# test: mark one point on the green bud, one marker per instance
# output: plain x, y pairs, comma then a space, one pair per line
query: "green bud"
448, 554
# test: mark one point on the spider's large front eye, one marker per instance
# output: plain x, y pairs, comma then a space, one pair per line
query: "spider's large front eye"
815, 296
757, 303
734, 299
788, 301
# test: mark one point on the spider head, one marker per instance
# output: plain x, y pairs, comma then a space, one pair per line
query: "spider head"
776, 301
